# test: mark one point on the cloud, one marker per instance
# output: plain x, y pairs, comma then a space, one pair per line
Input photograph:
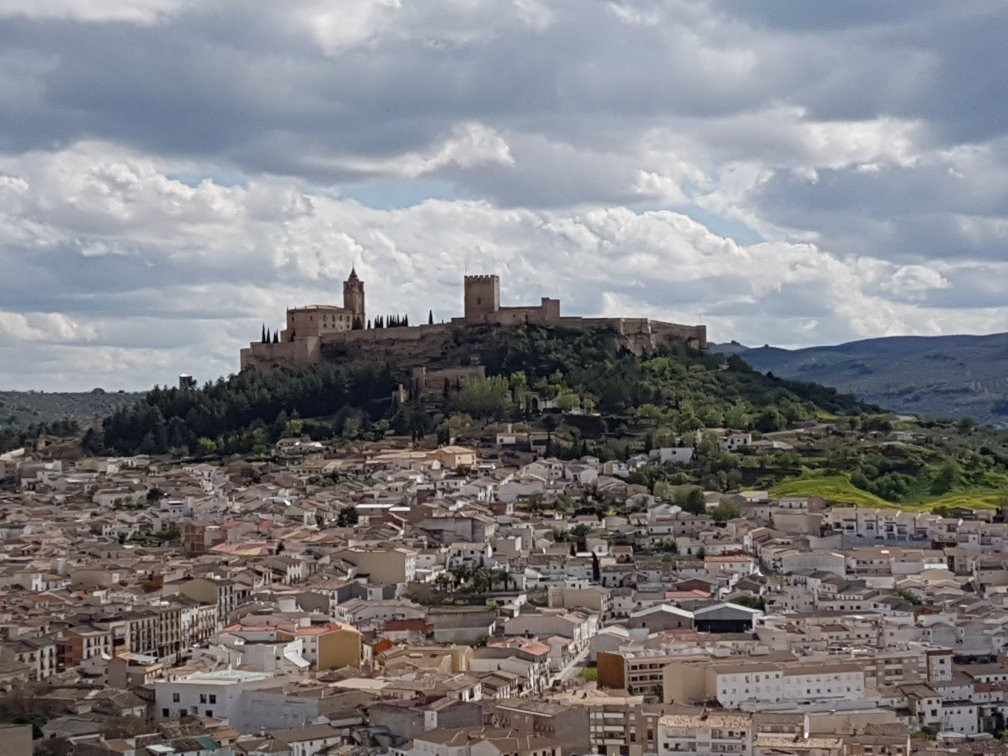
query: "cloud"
470, 145
47, 328
791, 175
144, 12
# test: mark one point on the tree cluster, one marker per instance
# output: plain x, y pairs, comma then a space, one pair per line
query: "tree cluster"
389, 321
245, 412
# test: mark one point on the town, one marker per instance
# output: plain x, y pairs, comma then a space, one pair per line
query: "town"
484, 597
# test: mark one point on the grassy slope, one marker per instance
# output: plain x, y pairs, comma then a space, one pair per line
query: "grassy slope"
837, 489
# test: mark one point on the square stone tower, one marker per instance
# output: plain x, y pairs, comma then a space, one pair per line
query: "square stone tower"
482, 297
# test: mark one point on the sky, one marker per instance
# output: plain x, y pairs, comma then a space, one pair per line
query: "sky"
175, 173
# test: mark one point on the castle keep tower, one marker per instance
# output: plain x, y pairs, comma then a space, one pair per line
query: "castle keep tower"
353, 296
482, 297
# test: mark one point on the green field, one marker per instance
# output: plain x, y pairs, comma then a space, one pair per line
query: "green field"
837, 489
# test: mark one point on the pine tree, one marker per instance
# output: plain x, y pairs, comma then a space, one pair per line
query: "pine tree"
430, 317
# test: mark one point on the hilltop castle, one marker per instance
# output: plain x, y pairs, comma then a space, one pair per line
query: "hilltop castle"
313, 329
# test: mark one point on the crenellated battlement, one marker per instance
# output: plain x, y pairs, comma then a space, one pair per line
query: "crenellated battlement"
317, 333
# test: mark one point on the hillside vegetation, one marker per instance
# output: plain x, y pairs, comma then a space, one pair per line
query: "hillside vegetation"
612, 391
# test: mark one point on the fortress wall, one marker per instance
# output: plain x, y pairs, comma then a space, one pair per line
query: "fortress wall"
579, 323
301, 352
452, 374
373, 335
637, 326
432, 381
693, 335
545, 314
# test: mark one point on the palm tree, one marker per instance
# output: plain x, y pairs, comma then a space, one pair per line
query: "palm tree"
461, 573
500, 576
482, 579
445, 582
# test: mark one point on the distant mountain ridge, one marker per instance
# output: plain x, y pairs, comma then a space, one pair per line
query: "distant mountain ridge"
937, 376
19, 409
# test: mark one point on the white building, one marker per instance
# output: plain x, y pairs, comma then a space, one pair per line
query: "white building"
211, 694
752, 685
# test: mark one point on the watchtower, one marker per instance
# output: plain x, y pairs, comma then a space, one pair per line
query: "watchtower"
482, 297
353, 296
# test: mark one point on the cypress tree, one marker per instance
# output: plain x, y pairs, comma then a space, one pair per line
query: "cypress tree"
405, 320
276, 339
267, 339
263, 337
430, 317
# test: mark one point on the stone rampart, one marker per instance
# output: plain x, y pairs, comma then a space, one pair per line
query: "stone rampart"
301, 352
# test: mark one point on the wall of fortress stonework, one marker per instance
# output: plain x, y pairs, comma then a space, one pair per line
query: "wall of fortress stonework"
644, 333
658, 331
546, 313
300, 352
308, 350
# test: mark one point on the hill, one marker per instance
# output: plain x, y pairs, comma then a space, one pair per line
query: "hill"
935, 376
612, 389
22, 409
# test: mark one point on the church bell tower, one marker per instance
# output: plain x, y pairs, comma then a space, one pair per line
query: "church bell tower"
353, 296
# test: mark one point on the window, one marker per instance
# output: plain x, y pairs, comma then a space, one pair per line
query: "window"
202, 698
164, 713
175, 697
213, 698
